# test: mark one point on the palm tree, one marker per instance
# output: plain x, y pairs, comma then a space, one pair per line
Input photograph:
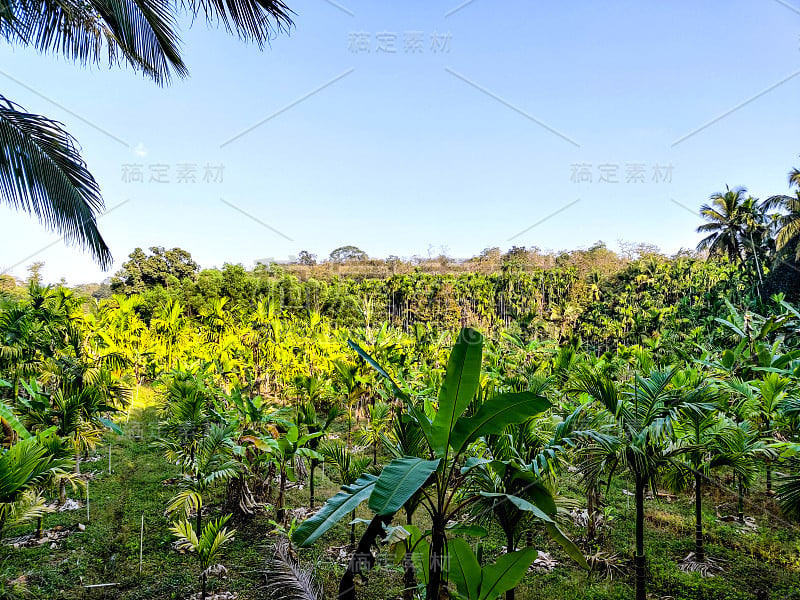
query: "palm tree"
787, 223
43, 172
207, 545
376, 428
726, 224
744, 444
307, 415
211, 462
644, 412
772, 390
709, 442
23, 468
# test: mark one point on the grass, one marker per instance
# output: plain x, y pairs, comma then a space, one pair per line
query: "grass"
760, 564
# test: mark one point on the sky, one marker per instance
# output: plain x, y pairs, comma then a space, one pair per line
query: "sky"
416, 127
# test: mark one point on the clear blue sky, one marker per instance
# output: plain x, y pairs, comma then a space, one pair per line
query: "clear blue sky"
462, 143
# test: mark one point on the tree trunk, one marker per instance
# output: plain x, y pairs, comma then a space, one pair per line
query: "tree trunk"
769, 476
62, 492
639, 559
270, 480
204, 578
281, 513
311, 481
436, 561
740, 507
698, 512
198, 520
39, 528
591, 510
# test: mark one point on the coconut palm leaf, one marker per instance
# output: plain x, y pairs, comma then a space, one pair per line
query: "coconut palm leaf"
42, 173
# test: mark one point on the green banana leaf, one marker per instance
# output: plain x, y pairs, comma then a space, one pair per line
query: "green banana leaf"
567, 544
463, 569
334, 510
381, 371
506, 573
111, 425
460, 383
7, 413
495, 415
398, 481
552, 527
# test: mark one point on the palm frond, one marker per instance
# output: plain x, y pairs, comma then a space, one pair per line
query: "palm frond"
30, 506
789, 491
42, 173
252, 20
286, 579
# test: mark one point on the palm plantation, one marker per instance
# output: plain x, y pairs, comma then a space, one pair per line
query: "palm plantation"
520, 424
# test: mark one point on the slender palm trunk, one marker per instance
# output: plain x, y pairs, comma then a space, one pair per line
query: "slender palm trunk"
740, 506
641, 587
198, 520
698, 513
203, 589
769, 476
281, 492
591, 510
311, 482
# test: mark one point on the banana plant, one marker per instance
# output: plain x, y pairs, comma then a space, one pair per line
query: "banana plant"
449, 436
474, 582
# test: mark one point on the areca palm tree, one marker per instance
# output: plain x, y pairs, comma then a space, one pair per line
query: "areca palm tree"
644, 411
210, 463
307, 416
207, 544
711, 442
42, 171
23, 468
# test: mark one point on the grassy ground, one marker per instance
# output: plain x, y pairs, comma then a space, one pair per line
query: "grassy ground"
759, 564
